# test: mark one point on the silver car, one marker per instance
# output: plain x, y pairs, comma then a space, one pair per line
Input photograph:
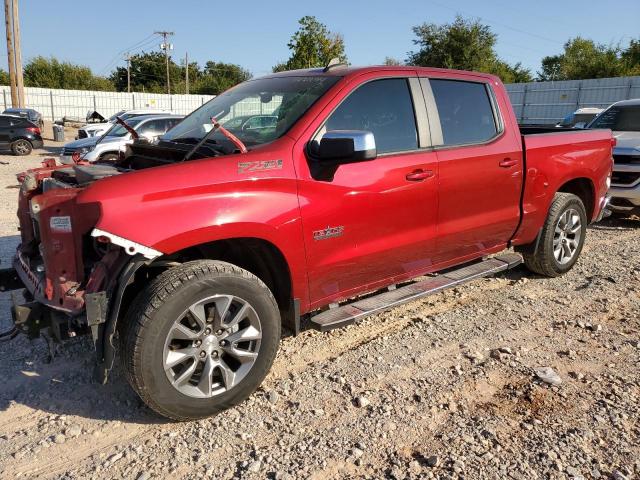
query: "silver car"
624, 119
108, 147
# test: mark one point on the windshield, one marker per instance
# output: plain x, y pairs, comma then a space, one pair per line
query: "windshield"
619, 119
119, 131
112, 118
257, 111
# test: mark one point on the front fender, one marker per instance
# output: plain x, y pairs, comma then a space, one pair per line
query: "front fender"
176, 207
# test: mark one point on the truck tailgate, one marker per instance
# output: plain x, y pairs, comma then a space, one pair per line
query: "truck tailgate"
554, 158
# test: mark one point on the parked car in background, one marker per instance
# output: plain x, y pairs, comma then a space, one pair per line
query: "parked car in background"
107, 147
623, 118
19, 134
97, 129
580, 118
197, 249
29, 113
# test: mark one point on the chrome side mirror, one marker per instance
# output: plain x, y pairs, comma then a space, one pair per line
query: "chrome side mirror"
346, 146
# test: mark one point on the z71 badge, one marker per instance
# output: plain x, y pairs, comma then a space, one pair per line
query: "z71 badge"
329, 232
259, 166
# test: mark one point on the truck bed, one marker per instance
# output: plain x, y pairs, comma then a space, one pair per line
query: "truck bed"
553, 156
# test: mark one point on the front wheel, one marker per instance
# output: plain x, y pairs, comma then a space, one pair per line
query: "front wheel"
562, 237
200, 339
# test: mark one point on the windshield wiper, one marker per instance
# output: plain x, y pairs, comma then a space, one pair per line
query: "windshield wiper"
216, 126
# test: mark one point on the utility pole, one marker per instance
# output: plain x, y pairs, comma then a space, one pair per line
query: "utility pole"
186, 72
11, 60
166, 47
128, 59
18, 54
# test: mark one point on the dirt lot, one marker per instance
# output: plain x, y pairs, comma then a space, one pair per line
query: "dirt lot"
439, 388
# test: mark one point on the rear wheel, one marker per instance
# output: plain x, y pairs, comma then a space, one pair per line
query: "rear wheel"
562, 237
21, 147
200, 339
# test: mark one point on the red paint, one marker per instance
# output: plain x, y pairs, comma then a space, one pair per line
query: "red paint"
403, 215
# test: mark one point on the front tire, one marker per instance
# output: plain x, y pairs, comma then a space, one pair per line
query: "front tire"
200, 339
562, 237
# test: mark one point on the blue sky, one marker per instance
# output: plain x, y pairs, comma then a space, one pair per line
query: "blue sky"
254, 34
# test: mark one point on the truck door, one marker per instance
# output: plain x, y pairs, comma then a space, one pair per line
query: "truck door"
480, 168
374, 221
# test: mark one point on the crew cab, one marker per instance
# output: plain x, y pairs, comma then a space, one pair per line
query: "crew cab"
194, 251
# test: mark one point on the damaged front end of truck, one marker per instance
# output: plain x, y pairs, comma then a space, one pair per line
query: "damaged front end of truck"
73, 276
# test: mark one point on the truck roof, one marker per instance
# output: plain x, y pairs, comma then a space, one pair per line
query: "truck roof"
351, 71
634, 102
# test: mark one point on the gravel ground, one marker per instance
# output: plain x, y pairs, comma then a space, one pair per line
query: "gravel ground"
453, 386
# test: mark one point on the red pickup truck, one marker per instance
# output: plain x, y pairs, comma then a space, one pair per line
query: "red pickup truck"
303, 196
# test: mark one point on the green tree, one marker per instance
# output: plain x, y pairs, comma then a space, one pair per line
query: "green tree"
631, 58
52, 73
216, 77
463, 45
148, 73
583, 58
390, 61
4, 77
312, 45
551, 68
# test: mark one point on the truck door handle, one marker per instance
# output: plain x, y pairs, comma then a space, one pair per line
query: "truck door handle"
419, 175
507, 162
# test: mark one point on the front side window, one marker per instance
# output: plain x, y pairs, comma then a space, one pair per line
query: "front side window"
382, 107
619, 119
465, 111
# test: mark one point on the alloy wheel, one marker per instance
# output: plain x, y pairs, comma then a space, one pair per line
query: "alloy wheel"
212, 346
566, 236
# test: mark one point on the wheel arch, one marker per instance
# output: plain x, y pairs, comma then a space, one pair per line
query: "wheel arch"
256, 255
584, 189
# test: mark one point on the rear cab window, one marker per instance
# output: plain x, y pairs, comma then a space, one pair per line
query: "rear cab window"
466, 111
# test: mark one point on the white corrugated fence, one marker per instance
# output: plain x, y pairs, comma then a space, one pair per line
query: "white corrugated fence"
550, 102
55, 104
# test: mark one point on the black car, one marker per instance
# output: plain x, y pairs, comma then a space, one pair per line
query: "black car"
28, 113
19, 134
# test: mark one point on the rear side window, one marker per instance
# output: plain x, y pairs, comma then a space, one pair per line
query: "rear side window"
383, 107
466, 114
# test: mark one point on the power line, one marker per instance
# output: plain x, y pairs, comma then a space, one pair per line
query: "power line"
135, 46
488, 20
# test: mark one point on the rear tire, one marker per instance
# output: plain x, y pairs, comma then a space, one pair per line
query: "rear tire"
21, 147
174, 365
562, 237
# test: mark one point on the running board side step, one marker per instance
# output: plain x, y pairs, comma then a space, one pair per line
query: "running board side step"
347, 314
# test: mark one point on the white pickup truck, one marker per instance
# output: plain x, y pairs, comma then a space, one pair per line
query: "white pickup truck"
623, 118
99, 129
